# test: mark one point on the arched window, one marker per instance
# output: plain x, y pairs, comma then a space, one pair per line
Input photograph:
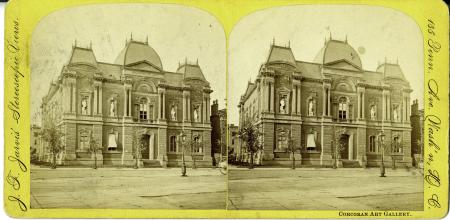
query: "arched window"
173, 144
143, 111
343, 108
372, 145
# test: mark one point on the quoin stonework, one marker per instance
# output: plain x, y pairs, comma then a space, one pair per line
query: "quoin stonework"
130, 108
330, 109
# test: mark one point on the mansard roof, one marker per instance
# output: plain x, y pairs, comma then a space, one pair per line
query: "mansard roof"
335, 51
309, 70
82, 55
191, 71
279, 54
391, 70
135, 52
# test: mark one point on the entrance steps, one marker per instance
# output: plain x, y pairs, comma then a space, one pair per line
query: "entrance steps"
350, 164
151, 163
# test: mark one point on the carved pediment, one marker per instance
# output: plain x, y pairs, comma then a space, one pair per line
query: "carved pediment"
343, 64
144, 65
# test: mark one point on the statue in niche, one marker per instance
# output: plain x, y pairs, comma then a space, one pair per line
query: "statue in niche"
84, 106
311, 107
373, 112
395, 113
173, 113
112, 108
283, 104
196, 114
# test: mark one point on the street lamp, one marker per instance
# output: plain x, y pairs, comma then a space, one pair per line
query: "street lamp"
182, 138
381, 141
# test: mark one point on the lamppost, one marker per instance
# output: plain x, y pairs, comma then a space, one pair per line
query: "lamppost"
182, 139
381, 141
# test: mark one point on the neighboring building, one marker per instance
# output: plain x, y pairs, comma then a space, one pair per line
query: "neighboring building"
417, 131
131, 102
219, 129
37, 148
313, 102
215, 133
233, 139
223, 130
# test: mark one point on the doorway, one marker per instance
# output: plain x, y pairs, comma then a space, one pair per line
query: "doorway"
343, 141
145, 151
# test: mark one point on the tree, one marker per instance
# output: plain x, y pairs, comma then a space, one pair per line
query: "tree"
291, 149
93, 148
51, 132
194, 146
338, 145
250, 135
138, 147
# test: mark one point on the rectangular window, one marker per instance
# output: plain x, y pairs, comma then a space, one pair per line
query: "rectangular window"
143, 111
372, 146
84, 141
173, 144
310, 142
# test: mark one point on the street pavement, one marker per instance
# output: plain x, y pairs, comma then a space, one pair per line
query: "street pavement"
324, 189
147, 188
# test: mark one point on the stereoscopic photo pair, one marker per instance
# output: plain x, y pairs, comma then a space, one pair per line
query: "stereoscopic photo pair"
149, 106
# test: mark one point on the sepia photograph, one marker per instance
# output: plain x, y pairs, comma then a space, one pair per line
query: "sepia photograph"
327, 113
128, 108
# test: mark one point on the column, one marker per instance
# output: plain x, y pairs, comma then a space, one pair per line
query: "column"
388, 106
74, 97
184, 106
293, 104
324, 100
125, 102
189, 106
100, 100
163, 104
359, 104
95, 99
129, 102
299, 99
272, 94
159, 104
207, 109
329, 101
383, 103
264, 95
363, 108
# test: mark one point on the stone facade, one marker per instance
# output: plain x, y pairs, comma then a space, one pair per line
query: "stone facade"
130, 108
329, 109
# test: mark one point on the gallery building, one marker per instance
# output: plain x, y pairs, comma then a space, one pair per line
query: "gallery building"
328, 109
130, 108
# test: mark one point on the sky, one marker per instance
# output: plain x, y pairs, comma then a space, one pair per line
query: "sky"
175, 32
377, 34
